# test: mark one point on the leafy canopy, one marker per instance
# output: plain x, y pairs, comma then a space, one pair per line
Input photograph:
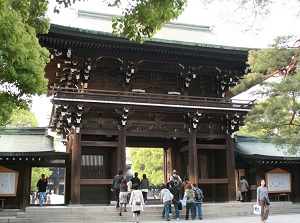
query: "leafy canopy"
140, 19
22, 118
148, 161
278, 114
22, 59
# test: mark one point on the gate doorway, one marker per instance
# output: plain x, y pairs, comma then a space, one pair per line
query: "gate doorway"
55, 193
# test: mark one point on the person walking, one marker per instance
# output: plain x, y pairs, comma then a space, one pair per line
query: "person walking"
262, 196
137, 202
136, 180
170, 210
198, 195
176, 200
176, 179
42, 186
243, 188
145, 187
165, 197
190, 203
182, 187
115, 187
123, 195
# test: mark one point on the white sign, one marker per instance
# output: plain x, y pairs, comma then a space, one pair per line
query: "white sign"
279, 182
7, 183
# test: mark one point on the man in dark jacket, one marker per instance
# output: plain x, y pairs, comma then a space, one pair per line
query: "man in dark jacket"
116, 186
176, 200
42, 186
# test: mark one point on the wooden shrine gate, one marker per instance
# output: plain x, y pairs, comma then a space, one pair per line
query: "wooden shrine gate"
110, 93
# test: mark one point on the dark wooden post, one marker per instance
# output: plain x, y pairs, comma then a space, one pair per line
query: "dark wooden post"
193, 161
230, 169
75, 169
26, 186
121, 152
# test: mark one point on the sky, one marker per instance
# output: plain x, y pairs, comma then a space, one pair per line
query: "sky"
281, 21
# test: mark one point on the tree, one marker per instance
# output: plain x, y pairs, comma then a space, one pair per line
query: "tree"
148, 161
140, 19
36, 175
278, 115
22, 118
22, 59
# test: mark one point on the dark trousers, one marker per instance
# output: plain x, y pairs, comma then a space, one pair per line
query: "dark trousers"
192, 207
244, 196
144, 195
117, 197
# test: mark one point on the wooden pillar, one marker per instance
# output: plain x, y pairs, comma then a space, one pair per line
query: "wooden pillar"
75, 169
169, 170
193, 158
295, 183
26, 186
121, 152
231, 169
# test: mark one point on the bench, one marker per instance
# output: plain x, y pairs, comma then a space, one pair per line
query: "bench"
2, 201
282, 195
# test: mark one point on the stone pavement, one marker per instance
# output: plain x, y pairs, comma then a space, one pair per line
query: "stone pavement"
289, 218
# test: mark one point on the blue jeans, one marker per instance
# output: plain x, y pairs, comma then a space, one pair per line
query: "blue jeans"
199, 207
191, 206
170, 210
42, 196
167, 206
176, 208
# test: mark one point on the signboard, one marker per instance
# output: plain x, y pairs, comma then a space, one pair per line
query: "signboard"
279, 181
8, 182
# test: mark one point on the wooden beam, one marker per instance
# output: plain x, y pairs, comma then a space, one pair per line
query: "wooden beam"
205, 146
99, 144
213, 181
96, 181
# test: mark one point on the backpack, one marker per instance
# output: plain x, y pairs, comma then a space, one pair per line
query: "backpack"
198, 194
176, 181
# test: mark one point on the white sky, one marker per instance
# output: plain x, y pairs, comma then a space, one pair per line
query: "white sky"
281, 21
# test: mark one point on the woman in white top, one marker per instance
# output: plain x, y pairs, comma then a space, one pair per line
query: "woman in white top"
262, 195
137, 202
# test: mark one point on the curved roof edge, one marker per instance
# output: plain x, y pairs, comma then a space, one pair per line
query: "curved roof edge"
254, 147
63, 29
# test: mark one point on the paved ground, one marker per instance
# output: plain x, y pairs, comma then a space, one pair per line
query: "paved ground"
292, 218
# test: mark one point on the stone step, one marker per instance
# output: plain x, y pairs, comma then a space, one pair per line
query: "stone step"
89, 214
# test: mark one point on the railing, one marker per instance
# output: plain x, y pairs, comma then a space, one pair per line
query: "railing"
118, 96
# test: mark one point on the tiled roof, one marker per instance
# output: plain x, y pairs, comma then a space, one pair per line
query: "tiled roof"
260, 148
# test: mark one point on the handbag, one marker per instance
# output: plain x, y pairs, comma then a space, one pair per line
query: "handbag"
267, 201
256, 209
183, 201
138, 202
179, 206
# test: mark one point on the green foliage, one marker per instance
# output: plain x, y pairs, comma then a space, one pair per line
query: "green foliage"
264, 63
140, 19
278, 116
23, 118
148, 161
36, 175
22, 59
